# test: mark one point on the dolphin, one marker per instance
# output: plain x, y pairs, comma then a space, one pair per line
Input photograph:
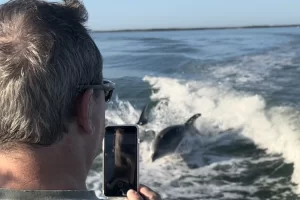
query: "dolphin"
144, 117
143, 120
169, 138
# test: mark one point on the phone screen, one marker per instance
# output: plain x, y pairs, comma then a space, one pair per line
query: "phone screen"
120, 160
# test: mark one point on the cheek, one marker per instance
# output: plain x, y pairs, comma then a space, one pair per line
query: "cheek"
101, 126
99, 122
99, 132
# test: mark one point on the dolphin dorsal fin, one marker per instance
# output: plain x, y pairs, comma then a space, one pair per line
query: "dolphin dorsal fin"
191, 120
144, 116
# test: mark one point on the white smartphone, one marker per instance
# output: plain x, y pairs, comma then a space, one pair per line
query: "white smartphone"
120, 160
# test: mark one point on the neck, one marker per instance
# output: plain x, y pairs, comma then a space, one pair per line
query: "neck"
58, 167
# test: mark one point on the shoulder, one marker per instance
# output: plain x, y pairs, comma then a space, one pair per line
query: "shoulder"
48, 194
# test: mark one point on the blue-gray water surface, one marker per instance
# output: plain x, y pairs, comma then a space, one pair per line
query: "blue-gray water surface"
244, 82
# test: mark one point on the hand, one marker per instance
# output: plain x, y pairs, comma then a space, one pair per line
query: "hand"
144, 193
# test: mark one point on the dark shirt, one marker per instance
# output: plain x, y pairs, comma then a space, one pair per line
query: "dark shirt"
47, 194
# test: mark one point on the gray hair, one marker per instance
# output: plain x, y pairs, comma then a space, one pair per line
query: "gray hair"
45, 52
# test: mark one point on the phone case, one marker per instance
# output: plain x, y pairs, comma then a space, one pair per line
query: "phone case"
138, 157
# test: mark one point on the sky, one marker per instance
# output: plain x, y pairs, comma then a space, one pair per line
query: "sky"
149, 14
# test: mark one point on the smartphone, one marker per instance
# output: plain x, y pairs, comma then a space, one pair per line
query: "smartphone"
120, 160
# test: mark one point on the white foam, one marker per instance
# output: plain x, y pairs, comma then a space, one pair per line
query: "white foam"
123, 113
274, 129
255, 68
222, 109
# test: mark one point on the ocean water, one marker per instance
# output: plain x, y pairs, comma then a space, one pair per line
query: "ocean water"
246, 85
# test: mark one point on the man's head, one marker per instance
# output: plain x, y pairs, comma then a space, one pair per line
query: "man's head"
47, 59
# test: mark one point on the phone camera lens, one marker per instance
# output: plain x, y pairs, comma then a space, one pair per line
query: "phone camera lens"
120, 184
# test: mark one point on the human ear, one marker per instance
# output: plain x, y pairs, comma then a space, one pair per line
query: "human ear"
84, 111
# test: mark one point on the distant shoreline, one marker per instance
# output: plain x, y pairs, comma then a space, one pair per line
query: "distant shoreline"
186, 29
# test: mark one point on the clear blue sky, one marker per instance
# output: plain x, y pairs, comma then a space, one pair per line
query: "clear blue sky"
140, 14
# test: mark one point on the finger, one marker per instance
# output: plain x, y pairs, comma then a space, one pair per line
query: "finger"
148, 194
142, 185
133, 195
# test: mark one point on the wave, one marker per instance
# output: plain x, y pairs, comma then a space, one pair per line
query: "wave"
275, 129
256, 159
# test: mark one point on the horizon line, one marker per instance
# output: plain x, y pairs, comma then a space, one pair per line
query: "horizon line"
196, 28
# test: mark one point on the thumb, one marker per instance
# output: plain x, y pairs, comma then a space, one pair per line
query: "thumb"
133, 195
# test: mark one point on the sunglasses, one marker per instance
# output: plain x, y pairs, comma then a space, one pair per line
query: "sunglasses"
107, 86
